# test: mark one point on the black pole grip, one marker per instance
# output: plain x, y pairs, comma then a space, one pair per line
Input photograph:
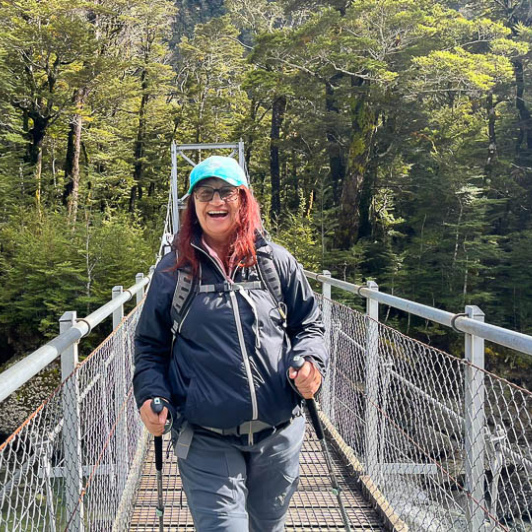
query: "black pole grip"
158, 443
297, 363
315, 418
157, 407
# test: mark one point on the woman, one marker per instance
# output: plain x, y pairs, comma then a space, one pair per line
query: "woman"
227, 372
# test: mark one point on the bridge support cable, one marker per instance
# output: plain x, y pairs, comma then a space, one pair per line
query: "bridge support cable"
175, 194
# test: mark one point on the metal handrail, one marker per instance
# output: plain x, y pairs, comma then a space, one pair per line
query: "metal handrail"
21, 372
514, 340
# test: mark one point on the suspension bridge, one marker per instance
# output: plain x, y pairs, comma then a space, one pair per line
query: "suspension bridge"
421, 440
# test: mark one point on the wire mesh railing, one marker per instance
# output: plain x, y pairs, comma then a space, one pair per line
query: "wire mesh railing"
442, 442
75, 462
439, 442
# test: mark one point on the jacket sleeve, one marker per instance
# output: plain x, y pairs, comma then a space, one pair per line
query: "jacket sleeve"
153, 340
305, 327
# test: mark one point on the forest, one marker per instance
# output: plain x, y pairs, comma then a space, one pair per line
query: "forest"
385, 139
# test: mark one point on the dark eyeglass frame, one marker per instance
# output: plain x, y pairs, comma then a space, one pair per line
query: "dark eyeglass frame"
226, 193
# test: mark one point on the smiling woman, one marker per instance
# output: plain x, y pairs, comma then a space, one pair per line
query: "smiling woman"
227, 373
228, 221
217, 216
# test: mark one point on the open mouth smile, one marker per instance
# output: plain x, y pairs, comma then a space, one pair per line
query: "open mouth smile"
217, 214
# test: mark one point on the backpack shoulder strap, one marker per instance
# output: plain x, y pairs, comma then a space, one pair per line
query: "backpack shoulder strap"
270, 276
269, 273
184, 291
187, 285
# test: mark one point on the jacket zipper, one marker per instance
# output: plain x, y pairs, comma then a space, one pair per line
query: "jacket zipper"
255, 409
244, 352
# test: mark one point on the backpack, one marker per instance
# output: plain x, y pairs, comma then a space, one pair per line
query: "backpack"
187, 286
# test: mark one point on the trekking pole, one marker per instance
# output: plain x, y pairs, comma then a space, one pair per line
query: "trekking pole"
157, 407
297, 363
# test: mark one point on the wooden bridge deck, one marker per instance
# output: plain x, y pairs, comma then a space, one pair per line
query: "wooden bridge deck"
313, 507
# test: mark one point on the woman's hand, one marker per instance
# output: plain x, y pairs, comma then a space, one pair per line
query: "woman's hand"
154, 422
307, 379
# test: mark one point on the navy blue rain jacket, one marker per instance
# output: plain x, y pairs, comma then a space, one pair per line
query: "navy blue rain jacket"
219, 373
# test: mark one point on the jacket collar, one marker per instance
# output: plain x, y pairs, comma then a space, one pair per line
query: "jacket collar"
260, 240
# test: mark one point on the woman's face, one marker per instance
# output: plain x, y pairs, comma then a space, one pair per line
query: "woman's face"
217, 217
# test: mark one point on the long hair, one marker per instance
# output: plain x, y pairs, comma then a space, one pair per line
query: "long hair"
242, 250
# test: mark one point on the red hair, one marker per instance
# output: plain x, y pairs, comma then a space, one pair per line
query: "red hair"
242, 250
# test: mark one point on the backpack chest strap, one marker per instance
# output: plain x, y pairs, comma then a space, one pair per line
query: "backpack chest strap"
226, 286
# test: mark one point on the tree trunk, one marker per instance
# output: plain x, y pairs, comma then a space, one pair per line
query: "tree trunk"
367, 191
278, 110
38, 178
138, 173
525, 121
34, 153
359, 150
334, 149
72, 171
249, 141
36, 136
492, 146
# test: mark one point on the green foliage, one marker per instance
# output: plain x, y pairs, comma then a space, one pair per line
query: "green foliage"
116, 249
405, 147
48, 270
298, 235
42, 278
461, 71
211, 68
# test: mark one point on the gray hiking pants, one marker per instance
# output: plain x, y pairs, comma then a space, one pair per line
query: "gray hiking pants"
234, 487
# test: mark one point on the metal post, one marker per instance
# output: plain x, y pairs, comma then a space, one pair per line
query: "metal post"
71, 429
372, 384
120, 396
118, 314
474, 424
336, 326
175, 204
327, 308
327, 401
241, 154
140, 293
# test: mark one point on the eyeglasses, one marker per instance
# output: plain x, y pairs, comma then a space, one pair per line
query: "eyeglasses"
204, 193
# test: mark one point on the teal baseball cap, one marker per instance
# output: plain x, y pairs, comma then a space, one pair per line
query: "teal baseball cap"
224, 168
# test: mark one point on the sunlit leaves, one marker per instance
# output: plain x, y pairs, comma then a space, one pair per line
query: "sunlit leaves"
460, 71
